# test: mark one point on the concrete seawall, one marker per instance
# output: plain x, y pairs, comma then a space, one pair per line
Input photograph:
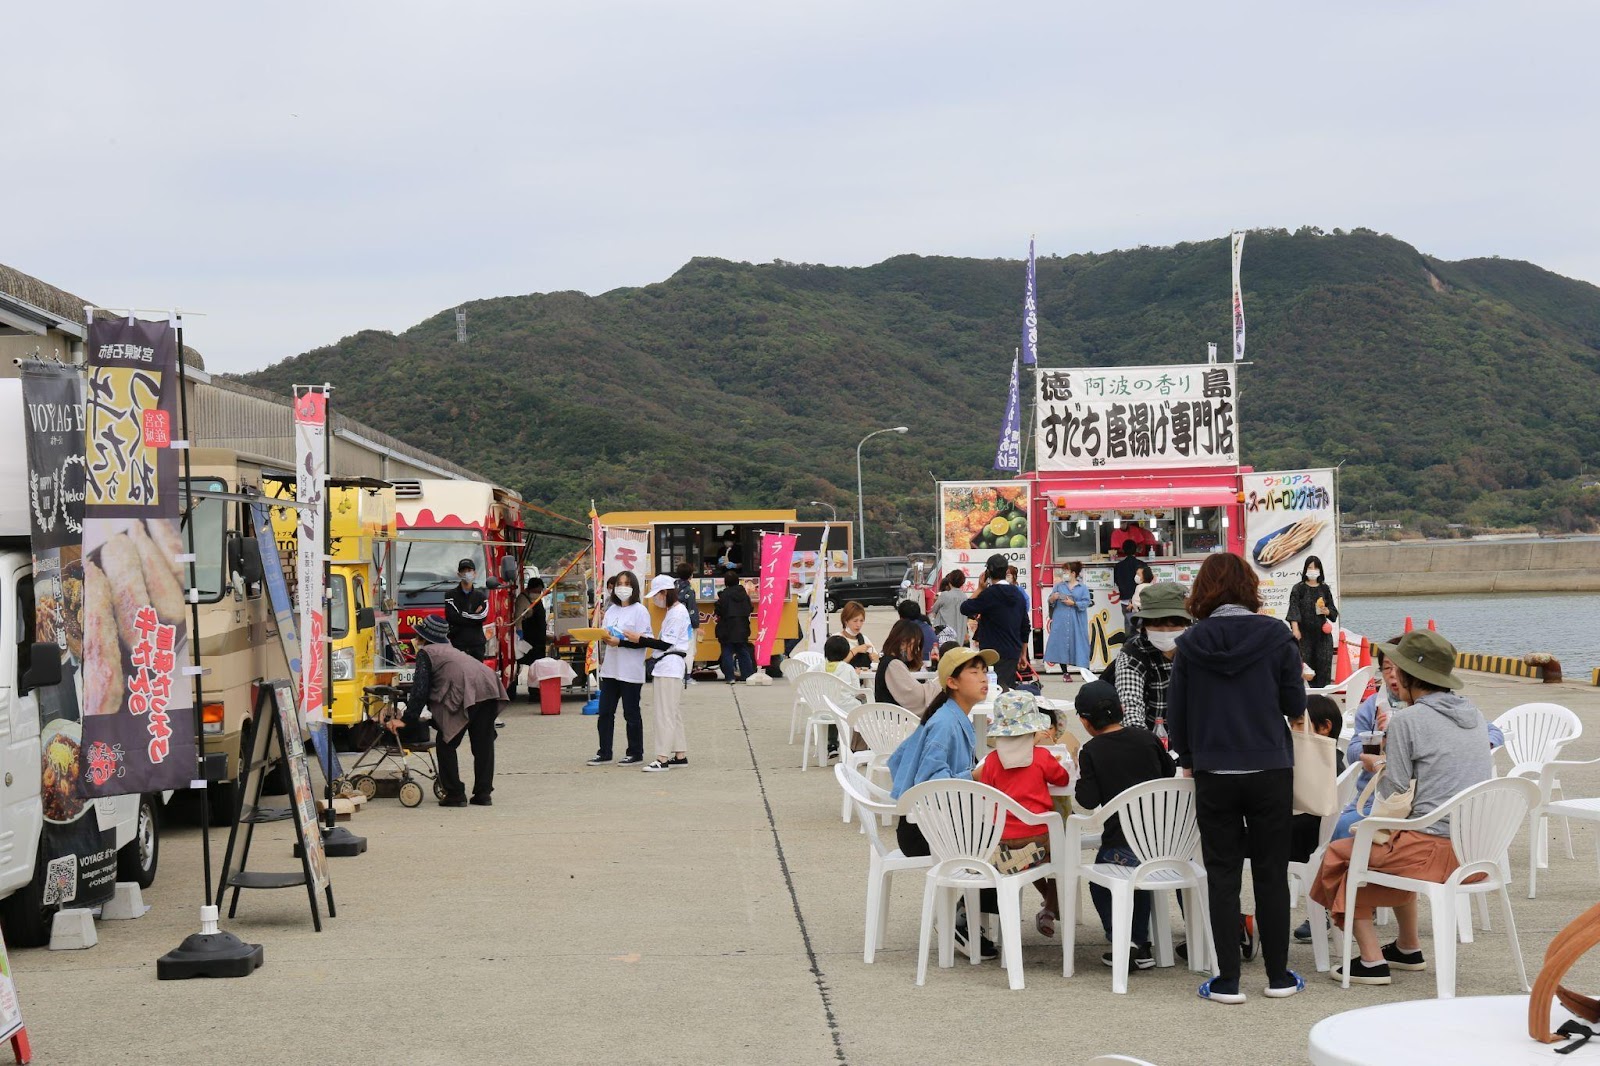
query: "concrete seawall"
1444, 566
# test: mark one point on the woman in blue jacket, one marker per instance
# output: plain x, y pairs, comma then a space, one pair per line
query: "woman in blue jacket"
945, 746
1235, 684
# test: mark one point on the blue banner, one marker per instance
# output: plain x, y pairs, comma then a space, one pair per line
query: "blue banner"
1030, 316
1008, 455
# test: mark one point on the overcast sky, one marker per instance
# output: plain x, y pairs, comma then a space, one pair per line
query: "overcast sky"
300, 171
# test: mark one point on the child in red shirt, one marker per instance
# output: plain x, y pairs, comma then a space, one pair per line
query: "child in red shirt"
1025, 772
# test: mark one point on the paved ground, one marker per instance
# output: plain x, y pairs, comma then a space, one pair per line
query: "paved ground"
708, 915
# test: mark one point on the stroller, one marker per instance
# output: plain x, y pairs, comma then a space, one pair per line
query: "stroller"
372, 735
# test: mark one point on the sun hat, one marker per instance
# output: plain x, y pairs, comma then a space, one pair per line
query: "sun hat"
1426, 656
1016, 714
955, 658
1163, 599
432, 629
661, 583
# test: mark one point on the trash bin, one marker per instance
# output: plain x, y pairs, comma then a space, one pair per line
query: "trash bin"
552, 674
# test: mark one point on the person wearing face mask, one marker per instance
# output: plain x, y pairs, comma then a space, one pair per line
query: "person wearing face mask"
733, 631
672, 648
465, 608
1069, 604
625, 621
1142, 670
732, 557
1311, 607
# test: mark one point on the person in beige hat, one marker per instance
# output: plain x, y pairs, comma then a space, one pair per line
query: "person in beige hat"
1026, 772
1440, 742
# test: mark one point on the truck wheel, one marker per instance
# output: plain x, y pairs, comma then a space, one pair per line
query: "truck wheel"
23, 915
137, 859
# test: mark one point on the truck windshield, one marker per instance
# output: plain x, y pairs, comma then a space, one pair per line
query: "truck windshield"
427, 564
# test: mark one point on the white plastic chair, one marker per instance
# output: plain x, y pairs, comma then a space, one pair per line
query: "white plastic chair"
1355, 688
828, 700
792, 668
1535, 734
884, 858
1302, 874
1538, 832
814, 660
1158, 819
883, 726
962, 822
1484, 819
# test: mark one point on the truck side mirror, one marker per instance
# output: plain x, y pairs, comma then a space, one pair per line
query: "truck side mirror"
366, 618
43, 667
492, 583
250, 567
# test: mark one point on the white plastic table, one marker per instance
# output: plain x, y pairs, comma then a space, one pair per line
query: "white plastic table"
1491, 1030
1583, 810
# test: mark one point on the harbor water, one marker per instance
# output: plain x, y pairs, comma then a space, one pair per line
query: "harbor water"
1565, 624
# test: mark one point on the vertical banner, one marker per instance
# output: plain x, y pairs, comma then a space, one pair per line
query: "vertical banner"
80, 859
1008, 454
628, 549
777, 550
277, 586
1030, 318
979, 519
817, 627
1290, 516
1238, 299
138, 713
311, 486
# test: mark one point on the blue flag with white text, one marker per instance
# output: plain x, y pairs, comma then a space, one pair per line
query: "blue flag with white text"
1030, 316
1008, 456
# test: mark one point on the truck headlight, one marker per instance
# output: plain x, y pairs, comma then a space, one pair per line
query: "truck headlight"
344, 664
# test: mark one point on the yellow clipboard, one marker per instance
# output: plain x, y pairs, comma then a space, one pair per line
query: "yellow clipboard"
587, 634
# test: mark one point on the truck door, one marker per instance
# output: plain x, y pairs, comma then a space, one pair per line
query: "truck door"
19, 733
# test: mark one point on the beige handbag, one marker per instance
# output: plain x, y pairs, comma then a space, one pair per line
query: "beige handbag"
1395, 806
1315, 788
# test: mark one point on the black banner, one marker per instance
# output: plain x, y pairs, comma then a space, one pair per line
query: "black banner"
138, 725
80, 860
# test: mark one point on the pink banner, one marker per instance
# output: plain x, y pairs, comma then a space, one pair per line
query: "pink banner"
777, 552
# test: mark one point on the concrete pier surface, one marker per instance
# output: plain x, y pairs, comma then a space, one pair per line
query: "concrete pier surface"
712, 914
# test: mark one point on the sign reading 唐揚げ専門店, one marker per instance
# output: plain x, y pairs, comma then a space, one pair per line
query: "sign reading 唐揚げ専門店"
1111, 418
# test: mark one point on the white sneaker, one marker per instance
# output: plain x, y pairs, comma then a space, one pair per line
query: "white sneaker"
656, 766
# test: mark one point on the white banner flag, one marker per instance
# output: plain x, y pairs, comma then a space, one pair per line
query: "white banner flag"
311, 480
1238, 299
817, 630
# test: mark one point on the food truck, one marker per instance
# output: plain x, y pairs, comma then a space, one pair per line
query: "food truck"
655, 542
1147, 455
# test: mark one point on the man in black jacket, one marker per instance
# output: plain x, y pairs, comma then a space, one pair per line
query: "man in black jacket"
1002, 613
733, 630
465, 608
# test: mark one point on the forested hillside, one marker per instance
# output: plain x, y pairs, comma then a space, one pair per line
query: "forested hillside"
1451, 391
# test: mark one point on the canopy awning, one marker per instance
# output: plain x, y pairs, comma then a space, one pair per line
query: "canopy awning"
1141, 498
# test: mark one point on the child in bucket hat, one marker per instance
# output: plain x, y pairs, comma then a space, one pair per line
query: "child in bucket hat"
1023, 770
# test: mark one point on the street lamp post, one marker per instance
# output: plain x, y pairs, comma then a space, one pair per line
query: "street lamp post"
861, 504
833, 512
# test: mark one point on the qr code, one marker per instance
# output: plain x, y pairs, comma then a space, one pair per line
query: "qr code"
61, 880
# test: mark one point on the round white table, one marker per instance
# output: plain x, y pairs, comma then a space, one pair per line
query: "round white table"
1487, 1030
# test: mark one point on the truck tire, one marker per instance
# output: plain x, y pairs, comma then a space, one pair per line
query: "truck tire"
137, 859
23, 915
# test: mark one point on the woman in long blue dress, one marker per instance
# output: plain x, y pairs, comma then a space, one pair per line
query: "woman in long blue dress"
1069, 619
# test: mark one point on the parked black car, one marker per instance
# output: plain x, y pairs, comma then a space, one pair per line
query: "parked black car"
875, 584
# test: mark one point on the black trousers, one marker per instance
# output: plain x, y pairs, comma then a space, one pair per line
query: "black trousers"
1316, 651
1240, 816
1005, 674
611, 691
481, 732
913, 845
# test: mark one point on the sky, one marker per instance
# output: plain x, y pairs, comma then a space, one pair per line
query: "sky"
291, 173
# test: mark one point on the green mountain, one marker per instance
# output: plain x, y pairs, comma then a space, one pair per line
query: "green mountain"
1451, 391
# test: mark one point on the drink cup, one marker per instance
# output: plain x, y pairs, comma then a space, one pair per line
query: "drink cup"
1371, 743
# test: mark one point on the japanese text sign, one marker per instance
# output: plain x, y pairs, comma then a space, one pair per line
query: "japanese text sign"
1137, 417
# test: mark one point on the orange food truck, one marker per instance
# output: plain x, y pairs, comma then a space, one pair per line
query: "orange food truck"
1148, 455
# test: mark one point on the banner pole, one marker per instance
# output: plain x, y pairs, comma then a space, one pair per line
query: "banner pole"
210, 952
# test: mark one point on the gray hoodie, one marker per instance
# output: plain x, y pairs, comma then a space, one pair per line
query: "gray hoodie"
1442, 742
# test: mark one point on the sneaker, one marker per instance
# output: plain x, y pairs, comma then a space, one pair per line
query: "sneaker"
481, 801
678, 761
1142, 957
833, 752
1302, 932
986, 948
1362, 974
1219, 991
1045, 922
598, 760
1290, 984
453, 801
657, 766
630, 760
1248, 941
1181, 951
1403, 960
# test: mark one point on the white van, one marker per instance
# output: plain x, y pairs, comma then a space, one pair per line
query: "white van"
32, 887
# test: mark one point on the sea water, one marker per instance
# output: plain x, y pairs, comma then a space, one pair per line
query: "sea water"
1565, 624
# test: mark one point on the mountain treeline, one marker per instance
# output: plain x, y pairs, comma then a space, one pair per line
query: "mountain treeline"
1451, 392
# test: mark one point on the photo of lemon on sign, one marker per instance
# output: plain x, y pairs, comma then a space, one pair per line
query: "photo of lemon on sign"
986, 517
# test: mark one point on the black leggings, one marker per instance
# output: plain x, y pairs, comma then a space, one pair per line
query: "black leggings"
913, 845
1240, 816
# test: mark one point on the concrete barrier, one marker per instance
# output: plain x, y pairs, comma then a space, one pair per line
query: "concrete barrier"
1497, 664
1410, 568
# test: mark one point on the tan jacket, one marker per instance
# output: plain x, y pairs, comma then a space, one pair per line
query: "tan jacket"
457, 681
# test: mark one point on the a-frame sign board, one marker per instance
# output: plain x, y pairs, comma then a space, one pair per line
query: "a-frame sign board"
11, 1027
282, 720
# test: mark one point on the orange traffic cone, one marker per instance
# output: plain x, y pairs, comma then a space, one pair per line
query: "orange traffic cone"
1407, 629
1365, 659
1431, 627
1342, 669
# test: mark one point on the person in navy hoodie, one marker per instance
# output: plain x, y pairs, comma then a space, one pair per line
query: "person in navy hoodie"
1002, 613
1236, 683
